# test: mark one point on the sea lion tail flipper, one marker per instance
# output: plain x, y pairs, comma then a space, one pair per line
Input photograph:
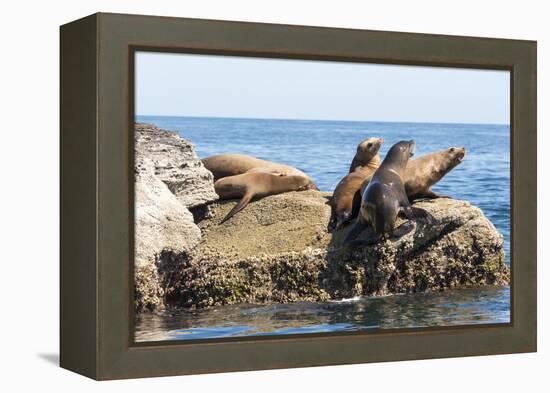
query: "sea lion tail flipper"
428, 194
418, 212
354, 231
412, 212
403, 229
443, 196
238, 207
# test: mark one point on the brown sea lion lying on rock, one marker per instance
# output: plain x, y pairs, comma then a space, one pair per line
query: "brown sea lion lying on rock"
224, 165
257, 185
247, 177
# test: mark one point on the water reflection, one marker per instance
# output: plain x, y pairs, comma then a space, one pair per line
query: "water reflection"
455, 307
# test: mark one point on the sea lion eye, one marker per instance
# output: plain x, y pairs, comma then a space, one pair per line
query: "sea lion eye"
452, 149
369, 144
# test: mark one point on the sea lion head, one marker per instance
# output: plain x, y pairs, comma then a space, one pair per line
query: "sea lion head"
456, 154
305, 183
451, 158
368, 148
399, 154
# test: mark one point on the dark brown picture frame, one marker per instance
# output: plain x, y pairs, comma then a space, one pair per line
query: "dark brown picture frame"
97, 123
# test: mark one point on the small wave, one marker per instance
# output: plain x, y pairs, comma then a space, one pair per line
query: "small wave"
347, 300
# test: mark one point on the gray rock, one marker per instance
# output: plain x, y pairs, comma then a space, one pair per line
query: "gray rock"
169, 178
176, 164
162, 222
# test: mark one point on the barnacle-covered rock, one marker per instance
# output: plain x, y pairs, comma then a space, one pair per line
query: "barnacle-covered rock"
278, 249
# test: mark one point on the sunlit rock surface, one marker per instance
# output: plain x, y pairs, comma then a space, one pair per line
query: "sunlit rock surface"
175, 163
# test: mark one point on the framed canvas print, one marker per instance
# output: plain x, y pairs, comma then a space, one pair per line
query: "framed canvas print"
241, 196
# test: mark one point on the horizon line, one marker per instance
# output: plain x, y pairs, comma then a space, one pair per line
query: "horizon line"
327, 120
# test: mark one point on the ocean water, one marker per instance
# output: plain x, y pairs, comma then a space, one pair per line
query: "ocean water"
448, 308
323, 150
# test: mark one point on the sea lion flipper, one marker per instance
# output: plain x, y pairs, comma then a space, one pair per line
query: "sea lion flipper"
403, 229
238, 207
427, 194
441, 196
418, 212
355, 230
345, 216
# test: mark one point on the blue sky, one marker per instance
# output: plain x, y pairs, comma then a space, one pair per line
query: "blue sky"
225, 86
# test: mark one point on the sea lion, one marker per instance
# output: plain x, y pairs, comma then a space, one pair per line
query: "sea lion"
423, 172
257, 185
224, 165
346, 198
364, 153
385, 197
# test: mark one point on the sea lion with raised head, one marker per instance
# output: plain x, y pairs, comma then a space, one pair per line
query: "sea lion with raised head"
346, 198
225, 165
385, 197
363, 155
257, 185
425, 171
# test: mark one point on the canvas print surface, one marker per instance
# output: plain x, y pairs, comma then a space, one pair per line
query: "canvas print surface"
278, 196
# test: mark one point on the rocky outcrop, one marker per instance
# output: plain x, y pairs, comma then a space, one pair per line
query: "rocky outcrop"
164, 162
279, 248
162, 222
176, 164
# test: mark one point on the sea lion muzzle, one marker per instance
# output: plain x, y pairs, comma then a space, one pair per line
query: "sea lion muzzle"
412, 148
461, 154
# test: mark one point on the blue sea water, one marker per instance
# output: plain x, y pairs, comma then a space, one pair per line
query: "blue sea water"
449, 308
324, 149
